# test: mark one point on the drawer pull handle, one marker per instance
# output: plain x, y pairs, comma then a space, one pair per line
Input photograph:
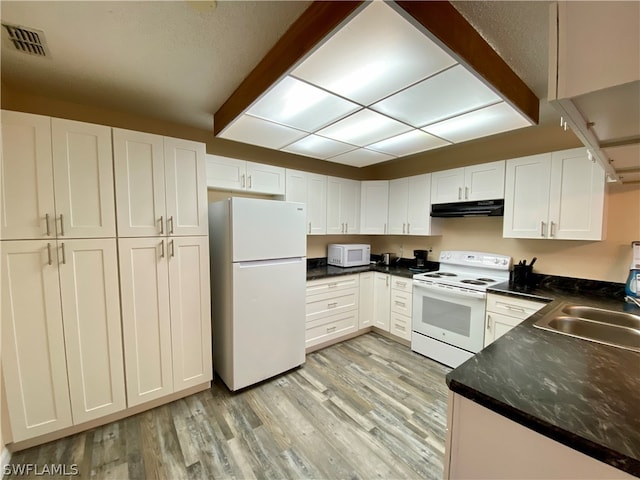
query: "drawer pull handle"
331, 329
332, 305
401, 284
332, 285
402, 304
400, 327
515, 309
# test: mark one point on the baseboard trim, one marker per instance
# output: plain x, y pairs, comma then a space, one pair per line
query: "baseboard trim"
5, 458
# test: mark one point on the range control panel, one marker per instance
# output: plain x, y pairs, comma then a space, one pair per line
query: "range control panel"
475, 259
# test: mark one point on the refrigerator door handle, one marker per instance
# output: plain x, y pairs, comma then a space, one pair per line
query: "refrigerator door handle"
268, 263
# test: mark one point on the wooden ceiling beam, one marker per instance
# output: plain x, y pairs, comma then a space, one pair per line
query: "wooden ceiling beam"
315, 23
444, 22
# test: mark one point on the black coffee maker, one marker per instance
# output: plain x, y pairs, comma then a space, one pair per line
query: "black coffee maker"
421, 258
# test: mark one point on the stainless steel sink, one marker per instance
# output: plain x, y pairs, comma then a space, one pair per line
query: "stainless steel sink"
617, 329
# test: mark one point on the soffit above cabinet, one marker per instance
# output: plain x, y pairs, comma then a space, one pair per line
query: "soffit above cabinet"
376, 81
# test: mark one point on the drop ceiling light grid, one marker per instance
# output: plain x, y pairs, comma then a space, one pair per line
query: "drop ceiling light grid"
377, 89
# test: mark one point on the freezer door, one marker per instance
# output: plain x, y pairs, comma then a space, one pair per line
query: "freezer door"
267, 229
268, 319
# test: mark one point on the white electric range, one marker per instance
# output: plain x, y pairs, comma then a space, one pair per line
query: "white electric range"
449, 304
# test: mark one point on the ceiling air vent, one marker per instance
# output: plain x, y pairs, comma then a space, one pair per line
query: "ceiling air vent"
27, 40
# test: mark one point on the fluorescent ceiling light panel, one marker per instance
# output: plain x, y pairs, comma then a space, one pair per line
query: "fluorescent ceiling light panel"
480, 123
376, 54
300, 105
361, 158
255, 131
408, 143
363, 128
446, 94
318, 147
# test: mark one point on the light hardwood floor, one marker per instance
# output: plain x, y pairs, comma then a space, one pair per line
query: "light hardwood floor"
365, 408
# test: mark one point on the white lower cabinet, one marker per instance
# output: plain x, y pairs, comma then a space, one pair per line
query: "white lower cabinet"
62, 343
381, 300
165, 315
366, 300
331, 308
401, 307
505, 312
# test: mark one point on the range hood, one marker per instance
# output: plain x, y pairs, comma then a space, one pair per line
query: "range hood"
478, 208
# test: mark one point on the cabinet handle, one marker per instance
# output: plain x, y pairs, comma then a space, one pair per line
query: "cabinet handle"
61, 225
162, 249
46, 219
542, 229
331, 329
49, 253
249, 182
161, 224
551, 225
403, 227
459, 193
64, 255
346, 227
242, 181
408, 228
466, 193
170, 221
309, 227
489, 322
401, 284
172, 249
387, 279
384, 229
332, 305
399, 327
402, 304
514, 309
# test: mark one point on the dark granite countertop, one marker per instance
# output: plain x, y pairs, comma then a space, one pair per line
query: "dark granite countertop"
317, 268
580, 393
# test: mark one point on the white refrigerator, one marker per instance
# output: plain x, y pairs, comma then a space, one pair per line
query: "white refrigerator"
258, 278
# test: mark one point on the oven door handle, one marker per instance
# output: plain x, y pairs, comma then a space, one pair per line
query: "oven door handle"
449, 291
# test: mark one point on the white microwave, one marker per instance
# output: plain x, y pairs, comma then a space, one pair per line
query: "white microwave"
348, 254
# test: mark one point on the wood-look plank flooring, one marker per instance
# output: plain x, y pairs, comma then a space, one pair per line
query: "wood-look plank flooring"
363, 409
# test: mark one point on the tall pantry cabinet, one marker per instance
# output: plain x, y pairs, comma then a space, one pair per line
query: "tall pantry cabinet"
61, 331
67, 349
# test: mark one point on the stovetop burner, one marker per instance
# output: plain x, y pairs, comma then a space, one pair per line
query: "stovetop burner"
447, 274
490, 280
473, 282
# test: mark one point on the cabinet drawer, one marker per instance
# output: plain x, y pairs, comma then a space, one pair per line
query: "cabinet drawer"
331, 284
514, 307
331, 303
400, 326
401, 302
330, 327
401, 283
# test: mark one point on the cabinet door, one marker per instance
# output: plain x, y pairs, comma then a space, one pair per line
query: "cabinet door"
190, 311
398, 206
27, 177
226, 173
365, 309
419, 221
186, 187
576, 198
83, 174
484, 181
350, 206
267, 179
146, 323
93, 337
381, 300
374, 206
526, 197
311, 189
139, 171
335, 225
497, 325
33, 352
446, 186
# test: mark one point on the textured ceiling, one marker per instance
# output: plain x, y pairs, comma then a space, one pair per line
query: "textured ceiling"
180, 61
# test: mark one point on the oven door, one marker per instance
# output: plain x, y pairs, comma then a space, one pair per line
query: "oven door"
449, 314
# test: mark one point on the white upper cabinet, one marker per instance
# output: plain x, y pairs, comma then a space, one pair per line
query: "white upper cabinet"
185, 187
28, 208
410, 206
57, 178
83, 174
374, 206
557, 195
311, 189
476, 182
140, 193
232, 174
343, 206
160, 185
